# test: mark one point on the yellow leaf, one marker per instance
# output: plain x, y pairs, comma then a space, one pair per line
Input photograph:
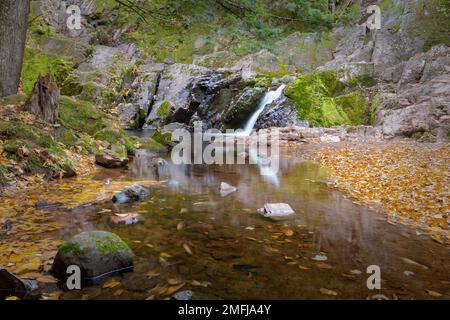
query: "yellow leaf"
301, 267
434, 293
12, 298
165, 255
111, 283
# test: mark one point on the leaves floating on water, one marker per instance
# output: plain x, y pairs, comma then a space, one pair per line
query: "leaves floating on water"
111, 283
434, 294
165, 255
328, 292
187, 249
414, 263
302, 267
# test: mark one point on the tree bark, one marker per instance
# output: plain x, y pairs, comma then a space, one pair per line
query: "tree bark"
13, 33
44, 100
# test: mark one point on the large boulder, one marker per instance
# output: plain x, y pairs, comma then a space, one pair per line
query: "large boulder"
174, 93
98, 254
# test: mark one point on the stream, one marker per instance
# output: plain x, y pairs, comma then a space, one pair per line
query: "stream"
235, 253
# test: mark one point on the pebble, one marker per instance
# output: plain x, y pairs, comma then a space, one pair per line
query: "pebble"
183, 295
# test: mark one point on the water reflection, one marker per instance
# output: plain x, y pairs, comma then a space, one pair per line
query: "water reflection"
244, 255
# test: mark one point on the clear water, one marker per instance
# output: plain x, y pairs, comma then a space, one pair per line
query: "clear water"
238, 254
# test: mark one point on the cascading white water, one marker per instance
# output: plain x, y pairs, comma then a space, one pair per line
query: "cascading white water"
269, 97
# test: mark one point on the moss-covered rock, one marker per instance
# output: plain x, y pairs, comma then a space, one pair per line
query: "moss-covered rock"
97, 253
115, 138
37, 63
164, 110
162, 138
354, 106
318, 98
81, 116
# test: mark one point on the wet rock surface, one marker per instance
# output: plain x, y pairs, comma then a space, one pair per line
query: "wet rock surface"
134, 193
11, 285
111, 161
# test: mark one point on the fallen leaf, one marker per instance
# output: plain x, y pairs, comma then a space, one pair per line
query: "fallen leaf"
187, 249
328, 292
302, 267
111, 283
434, 294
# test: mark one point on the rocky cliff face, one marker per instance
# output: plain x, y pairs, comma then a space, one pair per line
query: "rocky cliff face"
396, 78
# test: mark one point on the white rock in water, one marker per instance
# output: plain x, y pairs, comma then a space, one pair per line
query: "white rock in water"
277, 210
226, 189
320, 257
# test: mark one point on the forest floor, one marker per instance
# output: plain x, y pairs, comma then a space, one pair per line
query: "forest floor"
407, 180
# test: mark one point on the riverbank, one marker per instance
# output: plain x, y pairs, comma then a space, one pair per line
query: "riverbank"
406, 180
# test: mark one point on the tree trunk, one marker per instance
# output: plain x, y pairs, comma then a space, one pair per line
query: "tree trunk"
44, 100
13, 33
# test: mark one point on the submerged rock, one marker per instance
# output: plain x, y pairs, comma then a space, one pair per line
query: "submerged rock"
126, 218
98, 254
11, 285
110, 161
226, 189
134, 193
183, 295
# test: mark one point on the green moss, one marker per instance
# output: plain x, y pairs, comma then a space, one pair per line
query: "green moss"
151, 144
37, 64
68, 138
91, 91
164, 110
15, 99
332, 113
353, 105
70, 247
81, 116
3, 174
11, 146
314, 96
110, 244
376, 101
164, 139
116, 136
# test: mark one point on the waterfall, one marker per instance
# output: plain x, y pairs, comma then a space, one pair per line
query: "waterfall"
269, 97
